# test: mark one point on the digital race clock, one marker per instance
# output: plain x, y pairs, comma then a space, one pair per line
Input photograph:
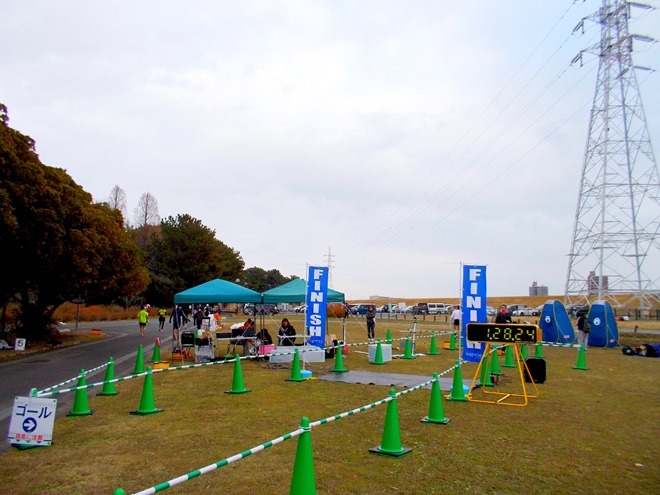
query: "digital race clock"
506, 333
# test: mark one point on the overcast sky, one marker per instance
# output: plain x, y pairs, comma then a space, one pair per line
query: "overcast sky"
407, 137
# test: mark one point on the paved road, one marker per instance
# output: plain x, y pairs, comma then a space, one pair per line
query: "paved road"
44, 370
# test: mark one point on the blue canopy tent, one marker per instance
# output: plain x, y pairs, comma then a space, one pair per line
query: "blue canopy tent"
217, 291
296, 291
604, 330
556, 324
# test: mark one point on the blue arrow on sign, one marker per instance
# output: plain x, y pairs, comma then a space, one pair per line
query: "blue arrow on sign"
29, 425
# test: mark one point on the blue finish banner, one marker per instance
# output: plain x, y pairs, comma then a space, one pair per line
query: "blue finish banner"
473, 308
317, 297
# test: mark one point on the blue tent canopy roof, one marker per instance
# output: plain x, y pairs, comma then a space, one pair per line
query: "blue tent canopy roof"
296, 291
217, 291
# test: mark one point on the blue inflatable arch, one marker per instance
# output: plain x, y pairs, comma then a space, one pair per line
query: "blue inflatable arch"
556, 324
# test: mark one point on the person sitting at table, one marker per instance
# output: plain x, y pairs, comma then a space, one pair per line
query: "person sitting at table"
286, 330
245, 330
265, 337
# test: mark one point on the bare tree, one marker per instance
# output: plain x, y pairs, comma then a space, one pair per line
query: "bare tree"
146, 218
146, 212
117, 201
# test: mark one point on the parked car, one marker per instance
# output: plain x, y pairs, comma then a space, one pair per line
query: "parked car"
420, 309
490, 311
360, 309
524, 312
383, 309
262, 309
574, 309
395, 309
300, 309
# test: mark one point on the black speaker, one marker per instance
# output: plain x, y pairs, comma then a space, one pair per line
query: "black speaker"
536, 368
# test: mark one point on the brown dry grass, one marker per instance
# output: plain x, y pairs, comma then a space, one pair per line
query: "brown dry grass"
588, 432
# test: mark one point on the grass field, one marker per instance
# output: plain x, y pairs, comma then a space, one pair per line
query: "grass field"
591, 431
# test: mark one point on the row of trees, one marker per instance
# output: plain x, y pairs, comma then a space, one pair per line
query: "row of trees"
58, 245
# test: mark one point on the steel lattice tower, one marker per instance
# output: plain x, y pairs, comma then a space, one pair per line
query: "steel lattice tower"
615, 249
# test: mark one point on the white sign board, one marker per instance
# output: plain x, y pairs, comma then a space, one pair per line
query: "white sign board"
32, 421
19, 345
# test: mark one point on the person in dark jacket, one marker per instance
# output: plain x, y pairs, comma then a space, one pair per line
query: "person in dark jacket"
198, 318
503, 315
177, 318
286, 330
371, 322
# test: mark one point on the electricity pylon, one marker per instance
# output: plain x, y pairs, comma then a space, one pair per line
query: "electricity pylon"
615, 250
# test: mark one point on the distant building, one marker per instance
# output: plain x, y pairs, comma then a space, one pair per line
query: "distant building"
592, 283
538, 290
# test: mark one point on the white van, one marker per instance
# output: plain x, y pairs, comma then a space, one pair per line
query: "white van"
439, 308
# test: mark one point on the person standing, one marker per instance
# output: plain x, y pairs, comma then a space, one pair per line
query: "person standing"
503, 315
456, 318
583, 329
143, 318
162, 313
371, 322
177, 318
198, 318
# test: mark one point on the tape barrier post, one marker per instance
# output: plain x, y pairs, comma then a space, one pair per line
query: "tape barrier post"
237, 385
80, 403
582, 359
339, 361
108, 383
139, 362
147, 403
303, 480
296, 374
433, 350
509, 362
457, 392
378, 359
391, 442
436, 411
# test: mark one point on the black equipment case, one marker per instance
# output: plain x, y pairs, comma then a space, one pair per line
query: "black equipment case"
536, 369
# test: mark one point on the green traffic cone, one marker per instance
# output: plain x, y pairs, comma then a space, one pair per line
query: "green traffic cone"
436, 412
523, 353
296, 375
391, 442
80, 404
109, 388
495, 364
339, 361
147, 403
484, 377
139, 362
379, 354
433, 350
155, 357
539, 350
408, 354
303, 481
457, 385
508, 358
452, 343
582, 359
119, 491
237, 385
388, 339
